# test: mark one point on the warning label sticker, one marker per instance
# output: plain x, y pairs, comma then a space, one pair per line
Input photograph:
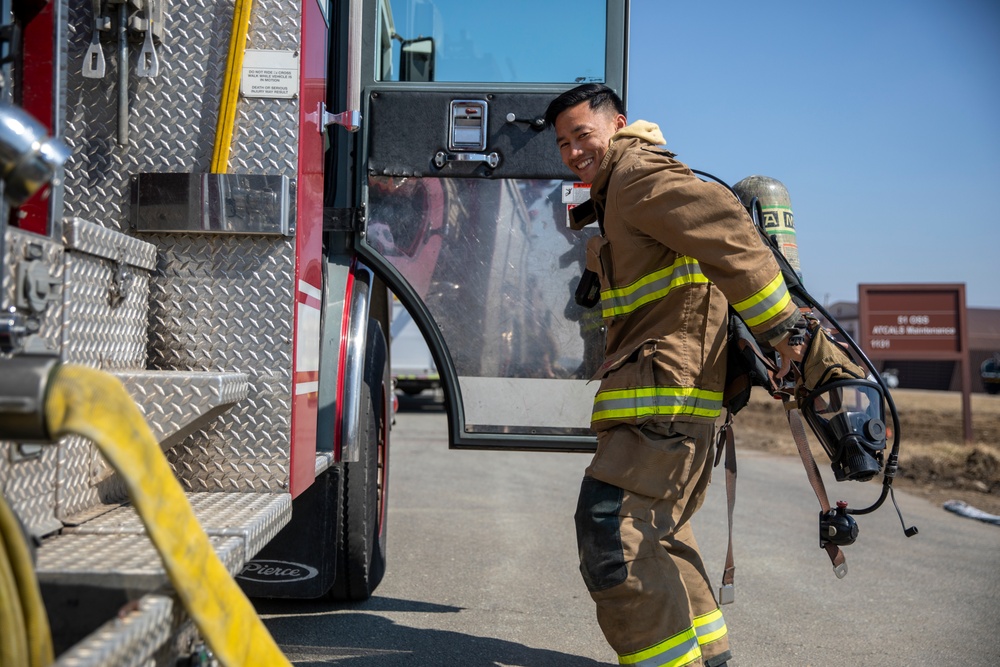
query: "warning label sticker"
575, 193
273, 74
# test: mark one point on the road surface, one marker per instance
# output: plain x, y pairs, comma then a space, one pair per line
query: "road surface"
483, 572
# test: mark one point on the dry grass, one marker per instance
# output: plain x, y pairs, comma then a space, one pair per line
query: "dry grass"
935, 461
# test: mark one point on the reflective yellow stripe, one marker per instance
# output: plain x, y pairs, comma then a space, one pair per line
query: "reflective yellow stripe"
651, 287
710, 627
681, 649
638, 402
765, 304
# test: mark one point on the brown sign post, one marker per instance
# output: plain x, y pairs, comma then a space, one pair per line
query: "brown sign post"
920, 322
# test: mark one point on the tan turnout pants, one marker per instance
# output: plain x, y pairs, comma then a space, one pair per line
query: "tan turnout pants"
638, 555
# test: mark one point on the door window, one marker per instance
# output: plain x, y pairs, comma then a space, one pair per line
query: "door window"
516, 41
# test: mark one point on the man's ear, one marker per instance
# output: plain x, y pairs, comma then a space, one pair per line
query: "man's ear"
620, 121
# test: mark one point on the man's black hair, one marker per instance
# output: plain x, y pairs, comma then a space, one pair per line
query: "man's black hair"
600, 97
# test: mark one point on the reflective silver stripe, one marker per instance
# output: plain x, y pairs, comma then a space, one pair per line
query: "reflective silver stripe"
712, 630
651, 287
765, 304
677, 652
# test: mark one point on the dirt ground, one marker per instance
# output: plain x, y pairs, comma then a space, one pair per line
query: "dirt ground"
935, 461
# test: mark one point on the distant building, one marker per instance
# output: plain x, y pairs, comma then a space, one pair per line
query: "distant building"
846, 313
984, 343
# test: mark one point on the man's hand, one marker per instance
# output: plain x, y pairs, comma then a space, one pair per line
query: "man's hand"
791, 348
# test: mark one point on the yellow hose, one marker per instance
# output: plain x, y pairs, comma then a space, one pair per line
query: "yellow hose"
231, 86
14, 647
94, 404
24, 625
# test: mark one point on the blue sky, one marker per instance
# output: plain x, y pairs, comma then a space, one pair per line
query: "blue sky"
882, 118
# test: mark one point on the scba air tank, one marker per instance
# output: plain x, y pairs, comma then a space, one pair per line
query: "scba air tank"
776, 206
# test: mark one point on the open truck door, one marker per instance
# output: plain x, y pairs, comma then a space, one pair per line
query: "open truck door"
462, 201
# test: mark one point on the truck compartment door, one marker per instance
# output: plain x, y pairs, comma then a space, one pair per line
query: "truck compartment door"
466, 199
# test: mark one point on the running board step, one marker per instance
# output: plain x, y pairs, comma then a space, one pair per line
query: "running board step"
132, 638
113, 551
178, 403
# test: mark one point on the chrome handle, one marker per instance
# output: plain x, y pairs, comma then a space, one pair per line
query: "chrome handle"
441, 158
350, 119
534, 123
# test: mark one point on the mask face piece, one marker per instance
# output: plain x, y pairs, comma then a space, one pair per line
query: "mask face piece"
848, 417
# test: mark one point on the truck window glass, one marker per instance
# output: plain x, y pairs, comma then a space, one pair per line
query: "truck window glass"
517, 41
497, 266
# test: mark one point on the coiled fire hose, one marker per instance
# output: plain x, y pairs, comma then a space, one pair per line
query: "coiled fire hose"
25, 639
87, 402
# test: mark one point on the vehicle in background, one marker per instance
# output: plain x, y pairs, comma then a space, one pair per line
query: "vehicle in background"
990, 372
412, 364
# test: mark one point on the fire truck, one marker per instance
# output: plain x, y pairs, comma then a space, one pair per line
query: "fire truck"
212, 203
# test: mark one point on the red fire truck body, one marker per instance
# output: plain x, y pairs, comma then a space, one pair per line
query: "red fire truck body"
232, 196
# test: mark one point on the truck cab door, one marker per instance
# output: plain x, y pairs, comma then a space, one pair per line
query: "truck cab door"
465, 201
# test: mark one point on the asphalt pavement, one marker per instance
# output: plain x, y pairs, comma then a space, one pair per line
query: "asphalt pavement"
483, 571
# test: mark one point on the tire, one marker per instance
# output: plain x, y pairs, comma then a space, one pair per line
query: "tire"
361, 545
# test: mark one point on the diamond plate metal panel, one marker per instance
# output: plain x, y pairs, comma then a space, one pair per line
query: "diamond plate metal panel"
129, 640
84, 236
323, 462
218, 304
172, 117
225, 303
175, 403
87, 485
105, 334
255, 518
97, 333
29, 483
118, 561
106, 296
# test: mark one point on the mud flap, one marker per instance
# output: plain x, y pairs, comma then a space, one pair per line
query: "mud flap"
301, 561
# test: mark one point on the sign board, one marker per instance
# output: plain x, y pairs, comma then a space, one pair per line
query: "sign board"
272, 74
917, 322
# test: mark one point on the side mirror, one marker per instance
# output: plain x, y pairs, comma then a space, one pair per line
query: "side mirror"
416, 59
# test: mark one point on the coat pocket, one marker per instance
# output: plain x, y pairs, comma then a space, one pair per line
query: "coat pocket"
600, 262
652, 462
627, 387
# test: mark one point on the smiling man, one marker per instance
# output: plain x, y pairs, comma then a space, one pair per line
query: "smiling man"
583, 133
673, 253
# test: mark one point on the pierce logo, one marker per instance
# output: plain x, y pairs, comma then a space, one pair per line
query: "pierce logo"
276, 571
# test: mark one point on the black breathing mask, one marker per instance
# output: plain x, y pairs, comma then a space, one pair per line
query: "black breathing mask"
848, 418
845, 407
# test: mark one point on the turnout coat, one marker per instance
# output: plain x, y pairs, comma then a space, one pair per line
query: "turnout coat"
674, 252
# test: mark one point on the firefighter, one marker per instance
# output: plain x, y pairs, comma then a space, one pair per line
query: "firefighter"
673, 253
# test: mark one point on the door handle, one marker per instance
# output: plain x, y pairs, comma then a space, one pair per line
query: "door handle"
441, 158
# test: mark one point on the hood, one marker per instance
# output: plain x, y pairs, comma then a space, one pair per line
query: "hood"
642, 129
